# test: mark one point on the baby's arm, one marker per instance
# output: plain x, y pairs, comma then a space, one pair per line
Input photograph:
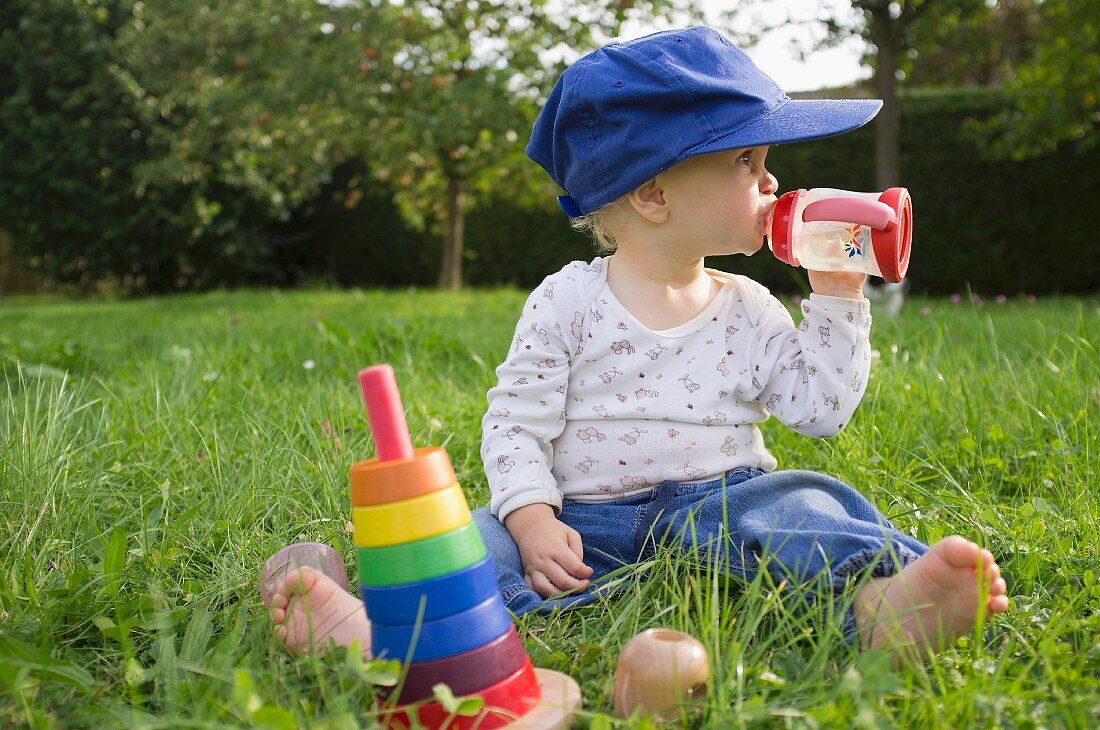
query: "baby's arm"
813, 377
550, 550
526, 413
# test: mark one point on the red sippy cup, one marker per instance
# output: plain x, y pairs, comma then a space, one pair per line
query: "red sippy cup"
824, 229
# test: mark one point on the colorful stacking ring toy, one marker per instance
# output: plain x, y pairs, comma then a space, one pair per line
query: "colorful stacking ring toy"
430, 589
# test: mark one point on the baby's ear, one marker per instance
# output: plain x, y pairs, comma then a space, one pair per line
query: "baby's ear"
648, 200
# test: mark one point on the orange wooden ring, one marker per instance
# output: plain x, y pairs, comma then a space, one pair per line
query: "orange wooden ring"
378, 482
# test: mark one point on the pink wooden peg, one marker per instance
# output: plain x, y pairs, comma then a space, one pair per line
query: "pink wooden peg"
387, 419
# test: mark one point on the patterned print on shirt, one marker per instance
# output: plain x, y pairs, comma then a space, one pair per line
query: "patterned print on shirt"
541, 334
655, 352
588, 434
690, 384
692, 472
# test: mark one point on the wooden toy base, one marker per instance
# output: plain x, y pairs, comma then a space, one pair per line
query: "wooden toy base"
561, 695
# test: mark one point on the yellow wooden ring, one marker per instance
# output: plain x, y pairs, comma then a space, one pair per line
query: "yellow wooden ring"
394, 523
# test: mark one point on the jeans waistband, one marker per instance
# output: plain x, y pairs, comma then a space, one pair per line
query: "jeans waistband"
662, 496
733, 476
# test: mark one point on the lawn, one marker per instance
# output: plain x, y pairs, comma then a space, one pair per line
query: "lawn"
154, 452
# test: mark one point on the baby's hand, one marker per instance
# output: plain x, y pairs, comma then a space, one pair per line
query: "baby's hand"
551, 553
844, 284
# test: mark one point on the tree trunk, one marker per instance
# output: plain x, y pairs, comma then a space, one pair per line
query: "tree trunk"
887, 124
450, 275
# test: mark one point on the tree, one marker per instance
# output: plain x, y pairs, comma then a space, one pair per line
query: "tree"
981, 48
467, 78
68, 147
240, 101
891, 28
1055, 92
265, 98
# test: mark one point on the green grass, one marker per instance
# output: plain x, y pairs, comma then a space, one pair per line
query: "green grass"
153, 453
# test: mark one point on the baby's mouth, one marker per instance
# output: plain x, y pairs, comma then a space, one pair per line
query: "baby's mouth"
766, 218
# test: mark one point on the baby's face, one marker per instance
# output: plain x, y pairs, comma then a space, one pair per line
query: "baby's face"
720, 202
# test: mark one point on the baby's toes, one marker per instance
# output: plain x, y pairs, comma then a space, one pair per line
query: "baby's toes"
993, 575
958, 552
987, 560
998, 603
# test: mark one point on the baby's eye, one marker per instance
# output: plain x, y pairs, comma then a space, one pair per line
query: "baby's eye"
745, 158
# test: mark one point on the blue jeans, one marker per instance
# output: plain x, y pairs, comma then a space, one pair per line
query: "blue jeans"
809, 525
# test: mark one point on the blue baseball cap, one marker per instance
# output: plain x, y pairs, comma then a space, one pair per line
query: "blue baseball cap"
628, 111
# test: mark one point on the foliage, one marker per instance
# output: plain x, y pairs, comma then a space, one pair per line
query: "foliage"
266, 99
995, 226
69, 148
979, 45
153, 453
194, 144
1055, 93
463, 88
240, 103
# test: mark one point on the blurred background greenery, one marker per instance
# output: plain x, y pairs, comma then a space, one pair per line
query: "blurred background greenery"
148, 147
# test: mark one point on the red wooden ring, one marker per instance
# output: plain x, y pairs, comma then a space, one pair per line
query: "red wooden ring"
505, 701
464, 673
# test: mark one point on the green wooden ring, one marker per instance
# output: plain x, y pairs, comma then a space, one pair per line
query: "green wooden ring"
422, 559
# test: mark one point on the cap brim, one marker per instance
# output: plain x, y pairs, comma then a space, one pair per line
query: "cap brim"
798, 120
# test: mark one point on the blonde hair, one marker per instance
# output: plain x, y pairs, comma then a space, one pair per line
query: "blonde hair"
596, 225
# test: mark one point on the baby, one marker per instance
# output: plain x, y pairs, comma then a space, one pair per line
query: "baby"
626, 413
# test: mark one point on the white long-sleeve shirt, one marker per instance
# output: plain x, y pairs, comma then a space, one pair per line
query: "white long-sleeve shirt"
592, 405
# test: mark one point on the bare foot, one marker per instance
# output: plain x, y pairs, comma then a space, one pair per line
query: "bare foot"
932, 601
311, 611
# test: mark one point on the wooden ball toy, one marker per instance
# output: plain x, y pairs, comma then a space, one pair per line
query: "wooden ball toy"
314, 554
658, 671
430, 591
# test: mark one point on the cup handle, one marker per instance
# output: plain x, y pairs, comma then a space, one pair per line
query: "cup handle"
852, 210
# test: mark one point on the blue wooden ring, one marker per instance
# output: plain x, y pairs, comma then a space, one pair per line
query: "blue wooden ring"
443, 596
443, 637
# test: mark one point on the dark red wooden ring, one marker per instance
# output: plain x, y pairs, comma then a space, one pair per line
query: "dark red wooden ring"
465, 673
